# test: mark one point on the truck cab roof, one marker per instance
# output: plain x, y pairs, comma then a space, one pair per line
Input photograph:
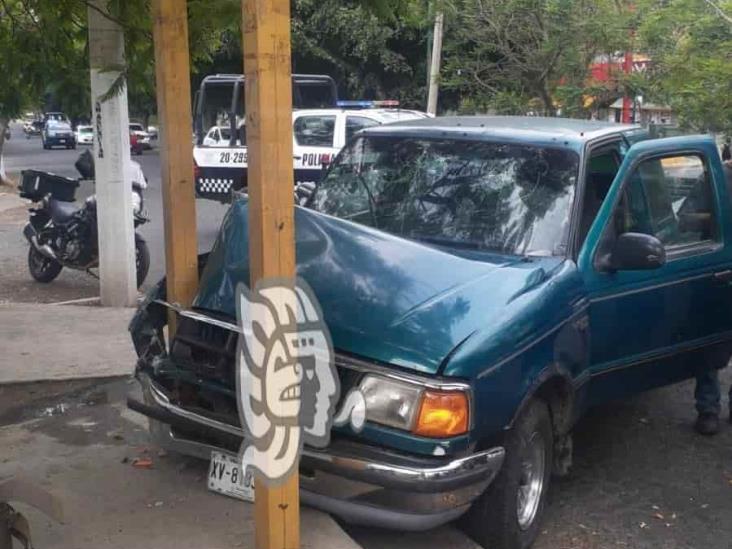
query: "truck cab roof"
537, 130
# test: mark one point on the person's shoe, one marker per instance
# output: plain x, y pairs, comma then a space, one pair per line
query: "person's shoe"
707, 424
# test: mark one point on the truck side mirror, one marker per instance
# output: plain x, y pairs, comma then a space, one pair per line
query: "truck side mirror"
635, 252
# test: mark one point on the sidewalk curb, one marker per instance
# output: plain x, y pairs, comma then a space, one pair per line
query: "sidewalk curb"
62, 342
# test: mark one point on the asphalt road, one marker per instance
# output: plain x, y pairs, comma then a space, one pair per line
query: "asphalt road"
15, 282
642, 479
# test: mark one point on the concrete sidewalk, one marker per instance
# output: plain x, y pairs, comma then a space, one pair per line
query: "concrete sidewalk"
57, 342
78, 440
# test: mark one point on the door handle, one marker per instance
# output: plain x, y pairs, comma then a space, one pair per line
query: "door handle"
724, 277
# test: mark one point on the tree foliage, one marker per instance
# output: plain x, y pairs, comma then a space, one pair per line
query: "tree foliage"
519, 55
690, 43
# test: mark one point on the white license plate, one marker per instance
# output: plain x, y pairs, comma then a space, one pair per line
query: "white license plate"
225, 477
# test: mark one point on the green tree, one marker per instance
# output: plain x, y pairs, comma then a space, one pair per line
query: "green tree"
690, 43
515, 56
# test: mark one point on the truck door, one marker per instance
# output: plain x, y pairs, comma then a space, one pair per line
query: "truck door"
651, 327
314, 136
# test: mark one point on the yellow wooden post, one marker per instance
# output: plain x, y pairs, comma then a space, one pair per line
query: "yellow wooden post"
172, 72
268, 84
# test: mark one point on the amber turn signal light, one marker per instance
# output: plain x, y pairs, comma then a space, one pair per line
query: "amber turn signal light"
442, 414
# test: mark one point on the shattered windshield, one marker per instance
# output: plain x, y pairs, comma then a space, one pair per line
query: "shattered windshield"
507, 198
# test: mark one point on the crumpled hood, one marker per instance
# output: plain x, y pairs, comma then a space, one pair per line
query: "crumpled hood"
383, 297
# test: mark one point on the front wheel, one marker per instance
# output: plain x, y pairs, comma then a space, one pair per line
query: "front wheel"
142, 259
509, 514
42, 268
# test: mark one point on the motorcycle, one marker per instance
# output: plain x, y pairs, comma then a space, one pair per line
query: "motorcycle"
64, 235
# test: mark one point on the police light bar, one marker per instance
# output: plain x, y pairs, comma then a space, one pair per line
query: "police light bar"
365, 104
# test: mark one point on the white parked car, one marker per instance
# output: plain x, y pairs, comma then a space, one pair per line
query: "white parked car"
84, 135
318, 135
153, 132
143, 138
217, 137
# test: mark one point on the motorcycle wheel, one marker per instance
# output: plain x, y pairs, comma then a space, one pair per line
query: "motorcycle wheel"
42, 268
142, 259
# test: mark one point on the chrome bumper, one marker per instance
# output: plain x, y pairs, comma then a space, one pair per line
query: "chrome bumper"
356, 482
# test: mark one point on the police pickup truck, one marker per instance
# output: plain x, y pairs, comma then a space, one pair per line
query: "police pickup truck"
318, 135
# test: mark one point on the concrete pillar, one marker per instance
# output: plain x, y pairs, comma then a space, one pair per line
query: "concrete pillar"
117, 284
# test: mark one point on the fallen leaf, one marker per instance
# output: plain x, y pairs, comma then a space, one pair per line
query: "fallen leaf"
142, 463
158, 504
643, 525
655, 507
659, 516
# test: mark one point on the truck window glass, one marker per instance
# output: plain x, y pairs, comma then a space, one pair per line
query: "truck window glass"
315, 131
216, 106
506, 198
672, 199
601, 170
355, 124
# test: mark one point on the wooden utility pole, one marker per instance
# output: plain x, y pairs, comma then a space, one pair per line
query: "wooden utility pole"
117, 277
435, 63
268, 84
172, 76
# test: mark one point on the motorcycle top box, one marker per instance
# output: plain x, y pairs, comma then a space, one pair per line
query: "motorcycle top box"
35, 185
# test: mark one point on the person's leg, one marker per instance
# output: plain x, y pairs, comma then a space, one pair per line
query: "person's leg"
708, 396
708, 392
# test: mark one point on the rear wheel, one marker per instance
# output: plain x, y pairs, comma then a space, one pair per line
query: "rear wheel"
142, 259
509, 514
42, 268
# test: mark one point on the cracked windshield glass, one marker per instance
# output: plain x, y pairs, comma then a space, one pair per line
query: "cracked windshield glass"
512, 199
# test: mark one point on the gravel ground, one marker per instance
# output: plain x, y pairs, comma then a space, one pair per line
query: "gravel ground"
642, 479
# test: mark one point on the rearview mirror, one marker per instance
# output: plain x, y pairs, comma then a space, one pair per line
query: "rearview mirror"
636, 252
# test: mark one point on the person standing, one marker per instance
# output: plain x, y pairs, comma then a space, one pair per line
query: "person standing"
726, 150
708, 395
708, 391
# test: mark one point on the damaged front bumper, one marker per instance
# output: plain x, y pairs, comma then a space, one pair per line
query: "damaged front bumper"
360, 483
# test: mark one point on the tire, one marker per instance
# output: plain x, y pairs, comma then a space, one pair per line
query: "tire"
42, 269
142, 259
494, 520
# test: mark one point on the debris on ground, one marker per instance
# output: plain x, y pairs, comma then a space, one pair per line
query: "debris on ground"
142, 463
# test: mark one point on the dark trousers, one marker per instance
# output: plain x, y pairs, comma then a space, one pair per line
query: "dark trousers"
708, 392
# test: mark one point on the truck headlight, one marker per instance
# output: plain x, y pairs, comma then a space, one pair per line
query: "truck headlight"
412, 407
390, 402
